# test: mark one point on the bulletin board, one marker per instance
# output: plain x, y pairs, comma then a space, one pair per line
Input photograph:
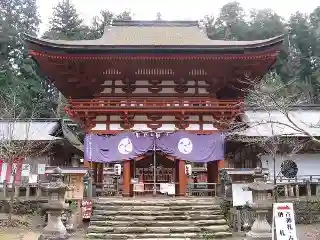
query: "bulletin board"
75, 182
240, 197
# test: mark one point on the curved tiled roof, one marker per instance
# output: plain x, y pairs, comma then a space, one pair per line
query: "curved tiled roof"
154, 34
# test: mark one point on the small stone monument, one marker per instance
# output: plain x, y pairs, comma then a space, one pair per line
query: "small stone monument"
260, 229
55, 230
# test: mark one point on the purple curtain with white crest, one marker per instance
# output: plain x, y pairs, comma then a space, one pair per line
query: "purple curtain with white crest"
181, 144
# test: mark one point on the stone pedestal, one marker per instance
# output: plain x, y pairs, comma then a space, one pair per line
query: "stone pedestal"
55, 230
260, 229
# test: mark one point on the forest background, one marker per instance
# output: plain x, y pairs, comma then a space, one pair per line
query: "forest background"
297, 68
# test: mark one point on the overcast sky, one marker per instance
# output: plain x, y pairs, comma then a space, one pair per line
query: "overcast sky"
172, 9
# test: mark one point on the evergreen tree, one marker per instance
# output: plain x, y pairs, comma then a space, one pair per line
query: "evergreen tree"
99, 23
66, 23
104, 19
18, 71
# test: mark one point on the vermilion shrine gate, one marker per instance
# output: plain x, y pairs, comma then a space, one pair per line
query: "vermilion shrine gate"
153, 78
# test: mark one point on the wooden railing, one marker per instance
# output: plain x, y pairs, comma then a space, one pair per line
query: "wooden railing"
202, 190
31, 191
147, 189
300, 178
300, 186
23, 191
119, 103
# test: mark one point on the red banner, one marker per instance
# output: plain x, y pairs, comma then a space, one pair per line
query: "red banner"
87, 207
6, 170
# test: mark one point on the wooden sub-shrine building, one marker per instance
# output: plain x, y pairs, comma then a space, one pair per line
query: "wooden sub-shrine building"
149, 78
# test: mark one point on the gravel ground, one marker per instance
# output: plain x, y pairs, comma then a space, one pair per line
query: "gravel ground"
305, 232
21, 234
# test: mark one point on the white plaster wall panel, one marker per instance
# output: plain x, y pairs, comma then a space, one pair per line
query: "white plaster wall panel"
168, 118
101, 118
115, 118
106, 90
208, 126
142, 82
107, 82
167, 127
202, 90
140, 90
308, 164
207, 118
141, 118
115, 126
141, 127
193, 118
193, 127
118, 82
100, 126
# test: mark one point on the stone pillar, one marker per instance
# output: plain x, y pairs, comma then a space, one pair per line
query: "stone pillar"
260, 229
55, 230
318, 189
75, 161
126, 178
291, 191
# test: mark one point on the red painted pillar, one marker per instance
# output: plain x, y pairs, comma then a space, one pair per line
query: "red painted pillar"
100, 172
126, 178
218, 165
213, 169
182, 178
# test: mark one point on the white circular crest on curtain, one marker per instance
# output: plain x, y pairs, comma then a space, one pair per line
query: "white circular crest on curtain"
185, 146
125, 146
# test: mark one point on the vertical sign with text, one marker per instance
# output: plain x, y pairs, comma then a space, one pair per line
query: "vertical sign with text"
284, 222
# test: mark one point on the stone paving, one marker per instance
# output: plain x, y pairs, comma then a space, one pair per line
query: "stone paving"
305, 232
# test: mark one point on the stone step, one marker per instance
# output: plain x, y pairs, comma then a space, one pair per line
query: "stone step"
156, 213
157, 208
138, 223
156, 202
171, 229
156, 217
153, 236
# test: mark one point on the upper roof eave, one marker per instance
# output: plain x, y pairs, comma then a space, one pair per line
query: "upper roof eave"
218, 45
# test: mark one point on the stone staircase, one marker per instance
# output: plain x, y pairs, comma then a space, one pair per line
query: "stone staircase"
154, 218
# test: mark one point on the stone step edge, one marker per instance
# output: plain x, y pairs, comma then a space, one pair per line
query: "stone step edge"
159, 213
159, 235
98, 218
157, 204
171, 223
121, 199
162, 229
156, 208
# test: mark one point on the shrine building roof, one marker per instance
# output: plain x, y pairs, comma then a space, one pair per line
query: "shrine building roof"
152, 35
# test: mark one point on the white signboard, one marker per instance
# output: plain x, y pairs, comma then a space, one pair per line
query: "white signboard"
284, 222
138, 187
171, 189
33, 178
168, 188
41, 169
240, 197
25, 172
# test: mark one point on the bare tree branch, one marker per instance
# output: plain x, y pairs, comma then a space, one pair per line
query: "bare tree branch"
17, 140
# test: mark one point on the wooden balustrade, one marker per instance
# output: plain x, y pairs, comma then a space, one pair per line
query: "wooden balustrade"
154, 103
37, 193
7, 190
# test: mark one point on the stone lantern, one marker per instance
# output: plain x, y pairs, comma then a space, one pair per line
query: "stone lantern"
260, 229
55, 207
